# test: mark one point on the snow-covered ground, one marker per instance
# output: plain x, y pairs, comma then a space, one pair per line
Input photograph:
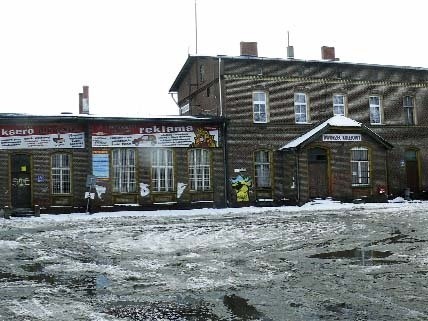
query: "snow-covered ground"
322, 261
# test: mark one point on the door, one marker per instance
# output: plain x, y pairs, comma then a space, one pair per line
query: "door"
21, 180
412, 170
318, 167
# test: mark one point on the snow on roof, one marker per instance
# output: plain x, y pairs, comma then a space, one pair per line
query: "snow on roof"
335, 121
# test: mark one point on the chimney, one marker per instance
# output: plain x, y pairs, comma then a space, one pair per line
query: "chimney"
249, 49
84, 101
327, 53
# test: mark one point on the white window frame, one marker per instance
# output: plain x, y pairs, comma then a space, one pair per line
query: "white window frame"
162, 170
260, 108
376, 117
262, 168
199, 169
124, 170
409, 110
339, 105
301, 115
360, 166
61, 174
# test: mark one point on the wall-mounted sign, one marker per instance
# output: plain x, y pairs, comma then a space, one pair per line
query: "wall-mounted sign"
154, 135
100, 164
41, 137
341, 137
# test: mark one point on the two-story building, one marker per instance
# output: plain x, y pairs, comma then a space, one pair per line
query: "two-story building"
301, 129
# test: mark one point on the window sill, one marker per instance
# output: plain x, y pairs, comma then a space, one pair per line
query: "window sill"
361, 185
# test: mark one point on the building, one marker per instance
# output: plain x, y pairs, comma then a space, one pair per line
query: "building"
301, 129
72, 162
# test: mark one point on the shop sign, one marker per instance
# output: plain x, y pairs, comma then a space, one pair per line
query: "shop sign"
154, 135
341, 137
41, 137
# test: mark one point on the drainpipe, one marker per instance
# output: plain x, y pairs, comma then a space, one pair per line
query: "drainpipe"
219, 87
225, 164
297, 175
225, 151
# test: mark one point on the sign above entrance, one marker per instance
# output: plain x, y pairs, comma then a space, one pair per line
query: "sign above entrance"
341, 138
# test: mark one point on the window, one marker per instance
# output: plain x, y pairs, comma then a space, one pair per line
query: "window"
375, 110
162, 170
300, 108
202, 73
124, 180
262, 168
409, 108
61, 173
260, 109
339, 105
199, 170
360, 166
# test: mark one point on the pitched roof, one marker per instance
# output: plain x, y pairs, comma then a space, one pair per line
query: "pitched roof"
337, 121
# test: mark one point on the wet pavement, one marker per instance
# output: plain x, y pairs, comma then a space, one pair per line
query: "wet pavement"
354, 263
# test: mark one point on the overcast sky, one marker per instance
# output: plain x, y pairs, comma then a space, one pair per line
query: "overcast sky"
129, 51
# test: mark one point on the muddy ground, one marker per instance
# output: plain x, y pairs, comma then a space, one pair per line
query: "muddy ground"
353, 263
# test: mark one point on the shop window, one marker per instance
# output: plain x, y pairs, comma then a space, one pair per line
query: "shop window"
409, 108
262, 168
124, 170
339, 107
260, 107
360, 166
199, 170
375, 110
61, 173
162, 170
300, 108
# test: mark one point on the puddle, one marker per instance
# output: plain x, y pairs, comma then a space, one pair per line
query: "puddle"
360, 256
170, 311
240, 307
90, 284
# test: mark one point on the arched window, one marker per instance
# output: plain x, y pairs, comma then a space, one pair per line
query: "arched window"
360, 166
199, 170
61, 173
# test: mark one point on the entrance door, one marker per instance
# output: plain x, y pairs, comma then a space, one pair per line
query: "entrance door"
412, 170
318, 178
21, 181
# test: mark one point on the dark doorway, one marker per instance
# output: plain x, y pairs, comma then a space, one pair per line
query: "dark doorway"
21, 180
412, 170
318, 169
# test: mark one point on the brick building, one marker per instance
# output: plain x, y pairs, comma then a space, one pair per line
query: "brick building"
58, 163
301, 129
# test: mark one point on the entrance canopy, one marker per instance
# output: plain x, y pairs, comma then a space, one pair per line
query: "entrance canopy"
339, 122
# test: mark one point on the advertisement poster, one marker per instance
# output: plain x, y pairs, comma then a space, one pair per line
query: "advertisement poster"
154, 135
41, 137
100, 164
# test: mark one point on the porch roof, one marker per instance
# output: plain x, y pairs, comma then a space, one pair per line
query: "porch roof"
337, 121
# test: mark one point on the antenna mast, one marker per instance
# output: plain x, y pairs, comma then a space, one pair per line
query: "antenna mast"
196, 29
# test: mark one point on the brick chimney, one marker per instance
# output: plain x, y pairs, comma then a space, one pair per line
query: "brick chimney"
249, 49
327, 53
84, 101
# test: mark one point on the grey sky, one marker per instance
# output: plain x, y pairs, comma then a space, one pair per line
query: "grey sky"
129, 51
